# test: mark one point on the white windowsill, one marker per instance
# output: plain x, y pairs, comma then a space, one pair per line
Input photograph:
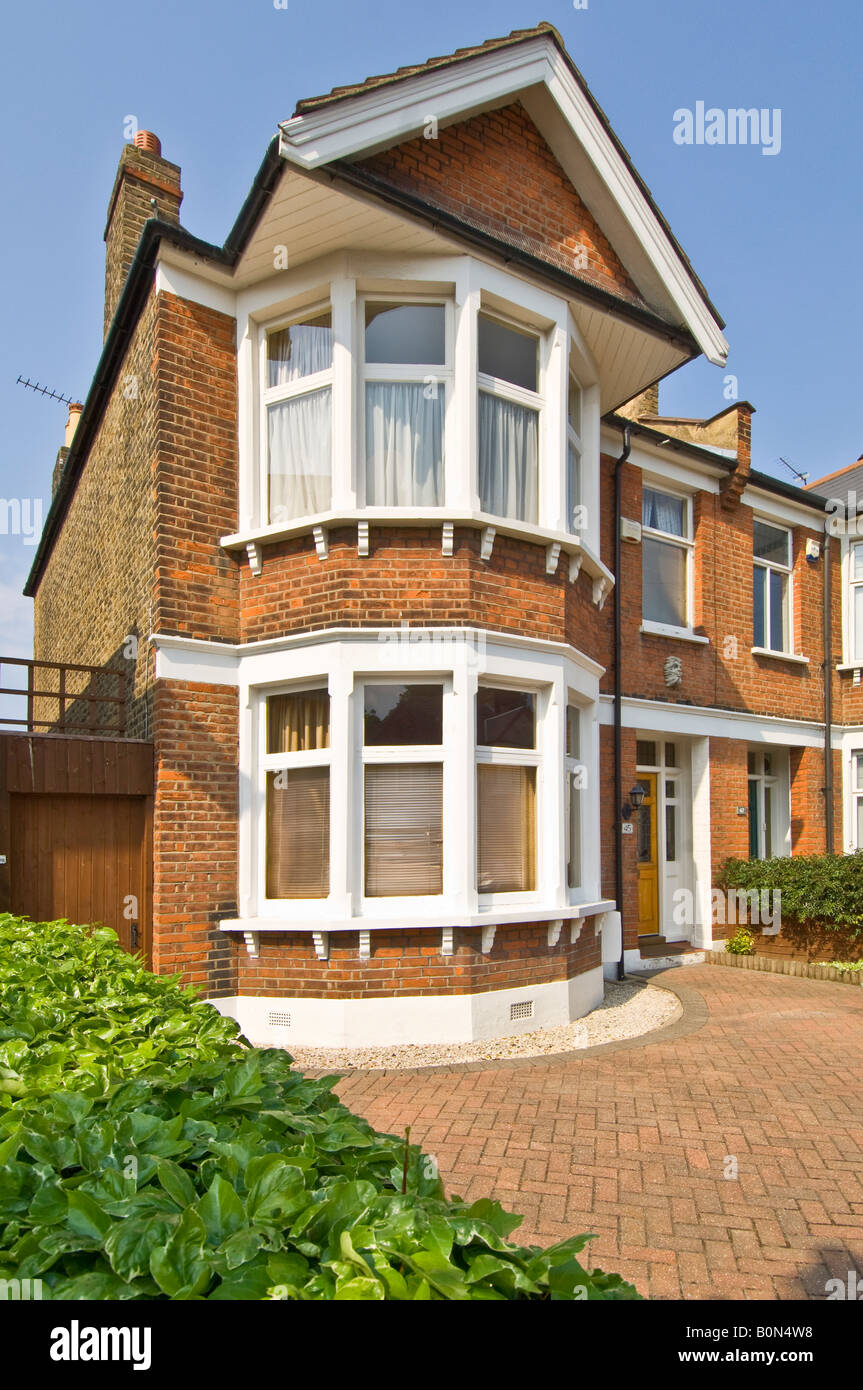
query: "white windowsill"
680, 634
494, 917
570, 543
850, 666
780, 656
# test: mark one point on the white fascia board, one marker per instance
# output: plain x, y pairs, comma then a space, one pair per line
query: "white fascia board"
782, 510
696, 721
187, 283
656, 462
386, 115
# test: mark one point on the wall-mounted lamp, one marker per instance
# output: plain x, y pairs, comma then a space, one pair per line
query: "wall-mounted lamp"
636, 798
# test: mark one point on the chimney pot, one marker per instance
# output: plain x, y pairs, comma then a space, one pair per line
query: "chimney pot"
75, 409
146, 140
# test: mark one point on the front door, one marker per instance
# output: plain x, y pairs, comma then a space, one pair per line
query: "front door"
648, 859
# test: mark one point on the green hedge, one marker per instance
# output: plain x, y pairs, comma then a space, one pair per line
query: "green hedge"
147, 1152
821, 889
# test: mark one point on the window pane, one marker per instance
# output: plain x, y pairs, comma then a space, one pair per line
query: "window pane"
573, 855
506, 828
298, 833
508, 353
573, 487
505, 718
858, 624
300, 350
759, 604
778, 625
396, 715
645, 844
404, 830
858, 763
670, 834
754, 832
671, 755
860, 822
663, 570
752, 762
771, 543
406, 333
300, 455
662, 512
507, 458
404, 444
573, 742
645, 753
857, 554
574, 406
767, 764
298, 723
768, 821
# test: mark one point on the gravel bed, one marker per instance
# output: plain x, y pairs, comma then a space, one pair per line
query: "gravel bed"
630, 1008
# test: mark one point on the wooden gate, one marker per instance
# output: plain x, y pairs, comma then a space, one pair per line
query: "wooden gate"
76, 832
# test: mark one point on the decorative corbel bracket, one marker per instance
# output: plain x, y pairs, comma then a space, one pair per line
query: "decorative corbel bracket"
365, 945
552, 555
601, 590
447, 538
574, 567
253, 942
256, 557
322, 944
446, 941
487, 939
362, 538
575, 927
322, 545
487, 542
554, 930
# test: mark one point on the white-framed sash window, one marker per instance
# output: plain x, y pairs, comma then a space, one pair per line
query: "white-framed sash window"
857, 796
765, 805
295, 763
296, 426
508, 764
574, 457
666, 559
576, 785
508, 418
771, 587
407, 380
855, 626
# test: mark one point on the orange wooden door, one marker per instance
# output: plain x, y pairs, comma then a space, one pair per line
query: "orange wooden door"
85, 858
648, 859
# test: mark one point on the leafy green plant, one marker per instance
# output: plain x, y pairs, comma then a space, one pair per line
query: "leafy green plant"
147, 1152
842, 964
823, 889
742, 943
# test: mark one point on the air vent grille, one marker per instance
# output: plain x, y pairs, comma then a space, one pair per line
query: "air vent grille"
279, 1020
523, 1009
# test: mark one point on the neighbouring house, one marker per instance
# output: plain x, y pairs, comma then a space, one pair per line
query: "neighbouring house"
417, 593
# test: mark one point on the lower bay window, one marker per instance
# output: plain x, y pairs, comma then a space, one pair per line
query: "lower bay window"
383, 794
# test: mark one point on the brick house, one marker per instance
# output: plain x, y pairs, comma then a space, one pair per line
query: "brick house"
376, 501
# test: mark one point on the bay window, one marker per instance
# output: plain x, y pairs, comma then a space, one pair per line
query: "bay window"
508, 419
297, 772
666, 547
856, 599
406, 379
403, 790
507, 766
297, 426
771, 587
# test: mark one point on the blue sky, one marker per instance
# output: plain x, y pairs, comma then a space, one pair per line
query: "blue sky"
776, 239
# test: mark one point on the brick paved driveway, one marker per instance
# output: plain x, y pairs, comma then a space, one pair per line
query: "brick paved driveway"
630, 1140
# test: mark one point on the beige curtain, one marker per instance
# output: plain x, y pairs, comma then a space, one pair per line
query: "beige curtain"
298, 723
506, 849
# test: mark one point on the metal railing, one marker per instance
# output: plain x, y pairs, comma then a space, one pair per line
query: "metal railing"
67, 708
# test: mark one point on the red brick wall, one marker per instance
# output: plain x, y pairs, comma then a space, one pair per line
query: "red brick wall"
410, 963
497, 172
195, 832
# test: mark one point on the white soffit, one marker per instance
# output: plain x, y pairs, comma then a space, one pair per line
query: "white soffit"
537, 72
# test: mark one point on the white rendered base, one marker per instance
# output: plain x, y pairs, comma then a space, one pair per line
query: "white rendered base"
434, 1018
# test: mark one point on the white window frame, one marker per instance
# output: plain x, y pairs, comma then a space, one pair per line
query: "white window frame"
855, 781
853, 588
496, 756
518, 395
388, 755
410, 372
277, 762
788, 602
574, 440
780, 784
577, 779
274, 395
686, 543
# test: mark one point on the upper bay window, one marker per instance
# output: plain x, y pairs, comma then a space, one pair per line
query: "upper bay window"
297, 400
406, 378
508, 419
771, 587
666, 547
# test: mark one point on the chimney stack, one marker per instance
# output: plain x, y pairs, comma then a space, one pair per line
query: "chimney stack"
75, 409
146, 186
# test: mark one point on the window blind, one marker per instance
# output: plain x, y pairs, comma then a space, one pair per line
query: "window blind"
298, 833
403, 829
506, 836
